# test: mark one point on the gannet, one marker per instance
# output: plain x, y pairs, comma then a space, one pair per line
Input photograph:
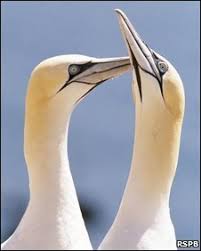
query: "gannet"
53, 220
143, 221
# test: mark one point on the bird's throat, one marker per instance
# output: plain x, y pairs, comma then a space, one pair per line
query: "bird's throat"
153, 167
53, 198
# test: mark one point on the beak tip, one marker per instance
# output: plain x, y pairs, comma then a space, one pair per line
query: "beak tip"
119, 12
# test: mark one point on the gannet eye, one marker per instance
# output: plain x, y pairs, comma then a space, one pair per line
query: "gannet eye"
74, 69
162, 66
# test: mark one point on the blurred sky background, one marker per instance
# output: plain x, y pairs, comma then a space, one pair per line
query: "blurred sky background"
102, 127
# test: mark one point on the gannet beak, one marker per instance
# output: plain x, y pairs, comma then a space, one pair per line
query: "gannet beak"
103, 69
99, 70
142, 57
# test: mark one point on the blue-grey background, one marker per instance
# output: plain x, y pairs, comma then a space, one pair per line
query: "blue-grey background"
102, 127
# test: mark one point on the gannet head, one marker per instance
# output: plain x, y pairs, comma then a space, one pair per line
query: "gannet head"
158, 89
56, 85
72, 77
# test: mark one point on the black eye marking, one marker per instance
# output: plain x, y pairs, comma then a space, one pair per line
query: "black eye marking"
162, 68
75, 69
161, 65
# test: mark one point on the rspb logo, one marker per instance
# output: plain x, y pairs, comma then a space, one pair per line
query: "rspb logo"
188, 244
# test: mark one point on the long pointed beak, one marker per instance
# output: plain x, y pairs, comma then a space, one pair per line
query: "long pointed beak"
141, 55
103, 69
99, 70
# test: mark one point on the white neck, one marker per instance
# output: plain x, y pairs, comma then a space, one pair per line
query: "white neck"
153, 167
53, 219
144, 214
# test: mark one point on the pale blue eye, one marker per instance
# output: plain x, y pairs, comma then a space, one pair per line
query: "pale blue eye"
74, 69
162, 66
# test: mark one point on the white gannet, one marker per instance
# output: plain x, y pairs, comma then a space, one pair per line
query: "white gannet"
53, 220
143, 220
